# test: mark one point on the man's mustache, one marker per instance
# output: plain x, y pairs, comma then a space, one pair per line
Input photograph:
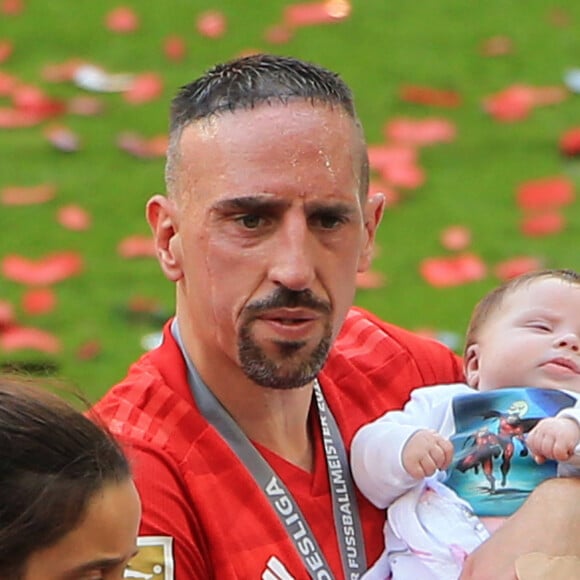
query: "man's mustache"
283, 297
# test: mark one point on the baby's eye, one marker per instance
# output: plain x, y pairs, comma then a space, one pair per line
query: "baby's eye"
538, 325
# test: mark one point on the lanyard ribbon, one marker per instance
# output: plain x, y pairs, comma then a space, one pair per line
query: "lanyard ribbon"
344, 505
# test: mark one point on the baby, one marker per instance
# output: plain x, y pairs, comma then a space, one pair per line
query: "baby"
492, 440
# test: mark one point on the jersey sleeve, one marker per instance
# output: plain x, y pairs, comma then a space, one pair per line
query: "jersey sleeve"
376, 452
169, 536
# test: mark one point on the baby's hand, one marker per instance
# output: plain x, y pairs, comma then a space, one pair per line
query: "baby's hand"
425, 452
553, 438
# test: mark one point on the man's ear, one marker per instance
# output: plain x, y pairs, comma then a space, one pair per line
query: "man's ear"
471, 362
372, 215
161, 215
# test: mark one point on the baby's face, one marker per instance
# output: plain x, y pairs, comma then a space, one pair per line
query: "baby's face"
532, 339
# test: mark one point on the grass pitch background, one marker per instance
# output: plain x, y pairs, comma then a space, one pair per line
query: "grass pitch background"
380, 47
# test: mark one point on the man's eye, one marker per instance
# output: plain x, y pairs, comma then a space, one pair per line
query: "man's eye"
250, 221
329, 221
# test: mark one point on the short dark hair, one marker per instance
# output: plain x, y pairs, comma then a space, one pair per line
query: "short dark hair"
53, 460
488, 305
246, 82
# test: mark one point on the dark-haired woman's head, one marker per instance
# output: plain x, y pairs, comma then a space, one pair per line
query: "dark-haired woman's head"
68, 506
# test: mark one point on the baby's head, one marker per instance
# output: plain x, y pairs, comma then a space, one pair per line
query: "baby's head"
526, 332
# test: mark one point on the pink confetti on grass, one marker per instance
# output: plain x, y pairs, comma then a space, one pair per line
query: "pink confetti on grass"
453, 271
7, 316
144, 88
12, 7
211, 24
44, 271
546, 224
21, 195
174, 48
142, 147
39, 301
434, 97
569, 143
516, 266
17, 338
122, 20
549, 192
420, 132
314, 13
456, 238
74, 217
516, 103
6, 49
137, 246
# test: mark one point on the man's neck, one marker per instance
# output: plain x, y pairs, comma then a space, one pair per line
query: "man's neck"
274, 418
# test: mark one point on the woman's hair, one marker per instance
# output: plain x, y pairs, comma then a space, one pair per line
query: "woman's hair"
490, 303
53, 460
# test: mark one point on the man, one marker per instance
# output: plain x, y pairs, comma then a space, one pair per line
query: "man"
241, 420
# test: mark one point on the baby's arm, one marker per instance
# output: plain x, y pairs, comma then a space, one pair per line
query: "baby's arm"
425, 452
555, 438
377, 448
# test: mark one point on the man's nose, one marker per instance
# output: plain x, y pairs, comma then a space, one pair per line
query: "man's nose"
569, 340
293, 255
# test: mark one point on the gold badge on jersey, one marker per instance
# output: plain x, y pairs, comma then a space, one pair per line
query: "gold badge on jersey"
154, 561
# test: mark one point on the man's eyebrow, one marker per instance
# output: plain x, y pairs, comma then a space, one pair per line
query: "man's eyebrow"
338, 207
249, 203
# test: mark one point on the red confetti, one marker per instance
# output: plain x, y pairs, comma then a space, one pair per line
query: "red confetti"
42, 272
141, 147
39, 301
543, 225
174, 48
404, 176
74, 217
456, 238
7, 83
5, 50
62, 138
309, 14
137, 247
570, 142
453, 271
545, 193
430, 96
11, 7
89, 350
517, 266
7, 317
61, 72
20, 195
144, 88
370, 280
392, 155
26, 338
421, 131
278, 34
211, 24
85, 105
497, 46
122, 20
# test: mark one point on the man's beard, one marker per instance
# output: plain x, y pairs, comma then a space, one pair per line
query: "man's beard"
293, 370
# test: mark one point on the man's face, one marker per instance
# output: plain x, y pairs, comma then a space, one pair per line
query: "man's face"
269, 231
533, 339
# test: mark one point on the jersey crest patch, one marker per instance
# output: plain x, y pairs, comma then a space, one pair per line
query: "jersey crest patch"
154, 561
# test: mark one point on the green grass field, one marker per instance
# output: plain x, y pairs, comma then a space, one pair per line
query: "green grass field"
381, 47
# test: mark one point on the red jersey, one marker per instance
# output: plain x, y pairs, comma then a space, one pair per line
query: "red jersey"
203, 513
